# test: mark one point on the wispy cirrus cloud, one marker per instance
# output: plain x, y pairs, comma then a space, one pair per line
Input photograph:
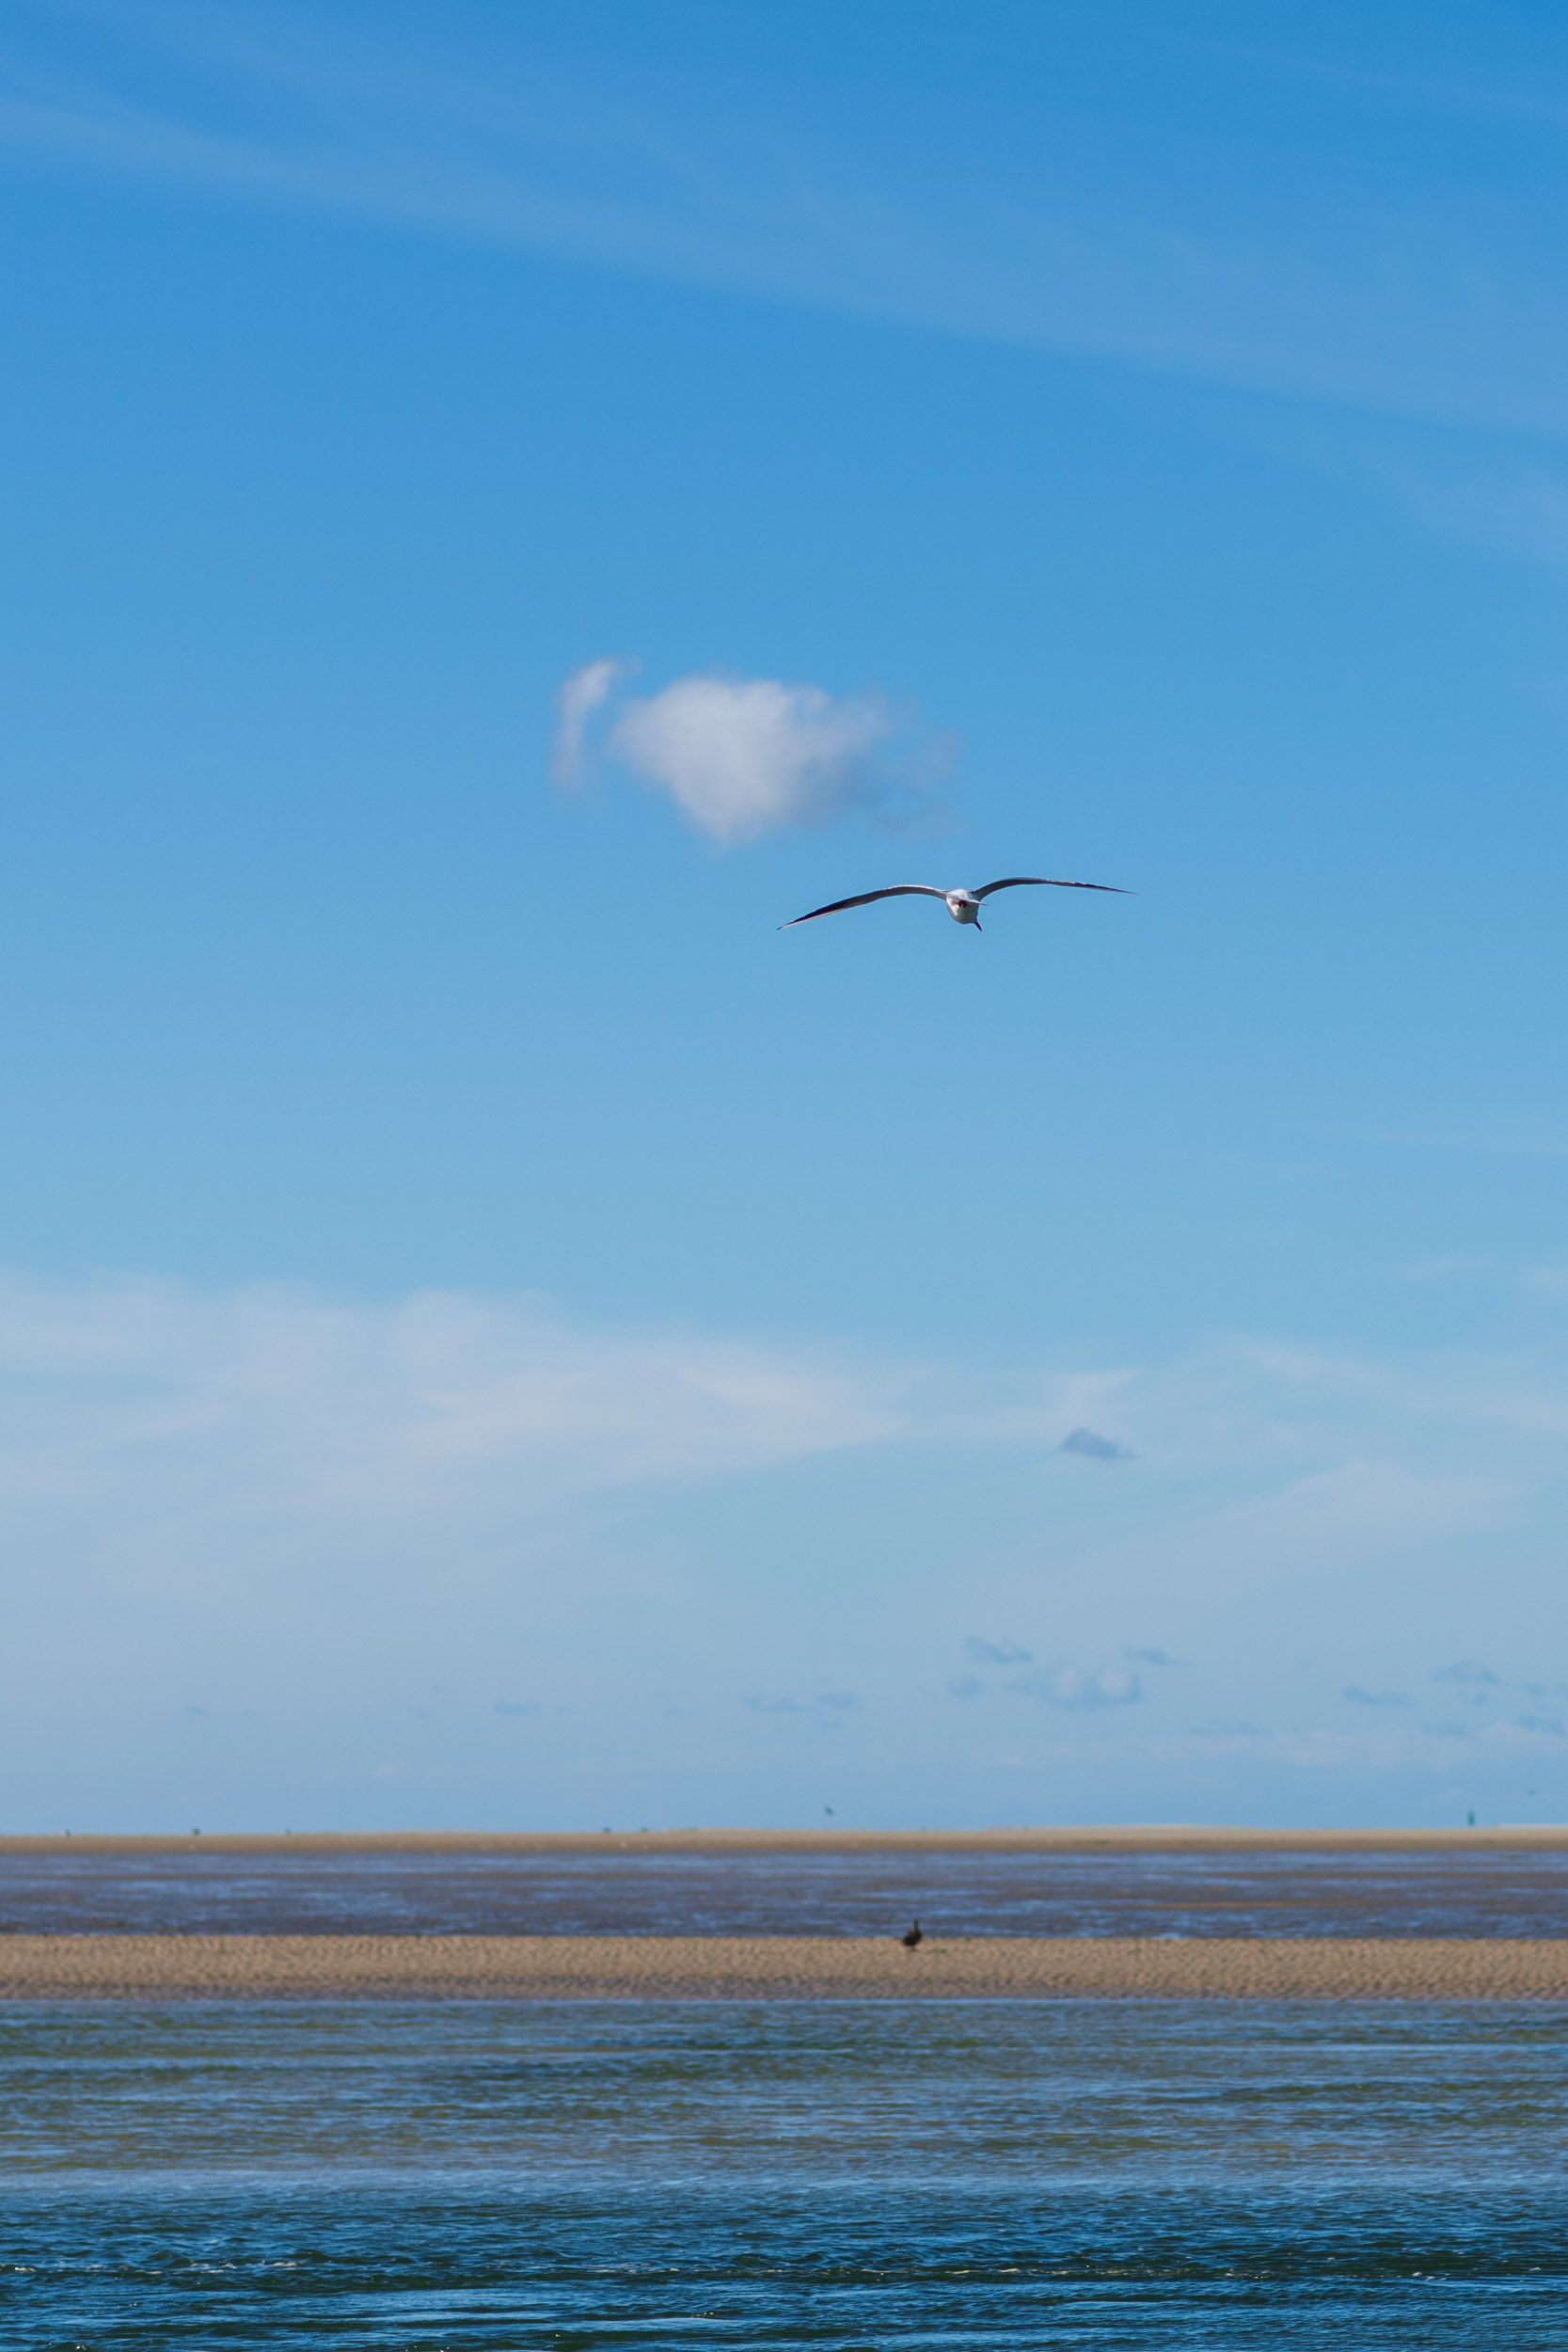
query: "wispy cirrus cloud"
218, 1467
1509, 505
1149, 190
281, 1399
579, 698
277, 1400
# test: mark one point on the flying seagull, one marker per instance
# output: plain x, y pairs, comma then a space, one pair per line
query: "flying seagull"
962, 905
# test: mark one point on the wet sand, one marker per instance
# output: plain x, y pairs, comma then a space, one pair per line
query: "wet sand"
594, 1967
1487, 1892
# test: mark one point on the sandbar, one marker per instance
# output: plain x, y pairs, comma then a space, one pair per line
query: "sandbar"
776, 1969
1136, 1838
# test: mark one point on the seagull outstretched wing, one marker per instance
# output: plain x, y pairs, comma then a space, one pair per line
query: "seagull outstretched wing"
1044, 881
899, 890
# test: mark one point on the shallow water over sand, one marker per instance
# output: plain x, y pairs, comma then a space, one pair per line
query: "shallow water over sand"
1444, 1893
844, 2174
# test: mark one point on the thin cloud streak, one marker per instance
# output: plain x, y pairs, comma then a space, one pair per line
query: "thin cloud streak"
279, 1399
578, 699
1253, 234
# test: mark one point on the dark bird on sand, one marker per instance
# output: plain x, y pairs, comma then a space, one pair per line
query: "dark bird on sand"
913, 1937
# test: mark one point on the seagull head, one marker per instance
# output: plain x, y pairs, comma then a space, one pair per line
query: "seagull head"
962, 905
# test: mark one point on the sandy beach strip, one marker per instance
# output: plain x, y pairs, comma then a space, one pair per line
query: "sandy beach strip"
774, 1968
1087, 1838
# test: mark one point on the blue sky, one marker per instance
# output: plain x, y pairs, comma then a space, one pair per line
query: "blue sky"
495, 1332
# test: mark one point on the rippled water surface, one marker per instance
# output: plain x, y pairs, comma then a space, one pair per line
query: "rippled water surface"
729, 2174
627, 1893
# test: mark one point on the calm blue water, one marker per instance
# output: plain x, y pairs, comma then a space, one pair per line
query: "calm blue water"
839, 2174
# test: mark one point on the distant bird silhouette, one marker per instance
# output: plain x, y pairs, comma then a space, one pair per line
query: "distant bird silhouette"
913, 1938
962, 905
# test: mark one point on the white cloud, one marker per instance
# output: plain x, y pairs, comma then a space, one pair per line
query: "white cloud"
1069, 1687
577, 699
744, 756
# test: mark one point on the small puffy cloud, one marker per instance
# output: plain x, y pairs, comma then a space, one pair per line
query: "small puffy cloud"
997, 1653
577, 699
1067, 1686
1096, 1448
1150, 1657
744, 756
825, 1711
517, 1706
964, 1687
1359, 1697
1469, 1673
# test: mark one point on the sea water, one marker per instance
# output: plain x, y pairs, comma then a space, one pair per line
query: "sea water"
845, 2175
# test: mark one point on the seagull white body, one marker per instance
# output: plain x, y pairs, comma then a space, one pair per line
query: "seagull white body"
962, 905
